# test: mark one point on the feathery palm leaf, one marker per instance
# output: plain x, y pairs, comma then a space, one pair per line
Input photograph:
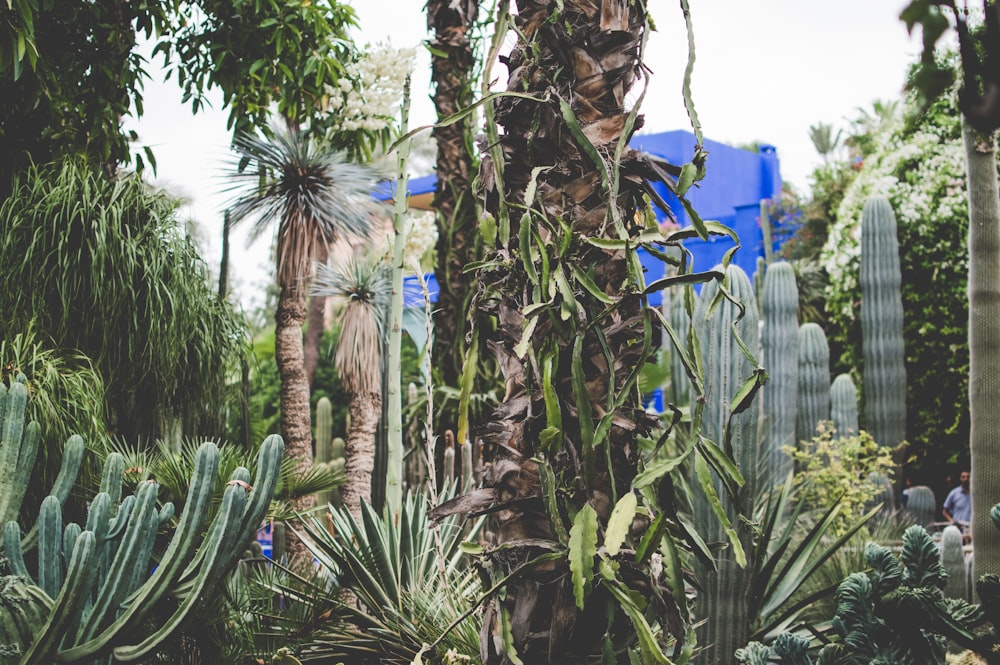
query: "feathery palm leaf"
315, 195
360, 287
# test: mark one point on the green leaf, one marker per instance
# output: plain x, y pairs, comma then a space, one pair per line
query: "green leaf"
705, 479
659, 466
619, 523
470, 547
582, 549
651, 651
686, 179
588, 283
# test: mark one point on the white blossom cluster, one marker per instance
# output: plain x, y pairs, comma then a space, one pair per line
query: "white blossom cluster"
370, 94
421, 236
923, 177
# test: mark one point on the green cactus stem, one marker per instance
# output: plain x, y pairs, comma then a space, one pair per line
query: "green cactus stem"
780, 344
814, 381
844, 406
884, 381
921, 504
723, 604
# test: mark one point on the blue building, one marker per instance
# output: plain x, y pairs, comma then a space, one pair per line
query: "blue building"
736, 181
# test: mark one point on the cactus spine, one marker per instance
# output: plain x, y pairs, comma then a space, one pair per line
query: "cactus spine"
814, 381
844, 406
884, 387
725, 369
780, 344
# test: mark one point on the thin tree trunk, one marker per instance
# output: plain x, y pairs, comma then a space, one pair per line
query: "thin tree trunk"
294, 396
984, 344
452, 62
315, 326
224, 262
359, 451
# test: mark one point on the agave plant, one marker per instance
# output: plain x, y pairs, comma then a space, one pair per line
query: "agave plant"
409, 589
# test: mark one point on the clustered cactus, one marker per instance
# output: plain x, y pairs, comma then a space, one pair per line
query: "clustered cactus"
898, 612
93, 586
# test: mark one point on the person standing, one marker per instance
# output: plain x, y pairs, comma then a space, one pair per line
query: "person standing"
958, 504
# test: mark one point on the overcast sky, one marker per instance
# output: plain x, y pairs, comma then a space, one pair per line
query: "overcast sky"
766, 70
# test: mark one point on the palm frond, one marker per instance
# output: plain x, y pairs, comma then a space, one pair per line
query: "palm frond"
361, 288
314, 195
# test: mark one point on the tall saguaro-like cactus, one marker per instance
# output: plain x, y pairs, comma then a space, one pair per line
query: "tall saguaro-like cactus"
814, 380
780, 344
717, 321
884, 381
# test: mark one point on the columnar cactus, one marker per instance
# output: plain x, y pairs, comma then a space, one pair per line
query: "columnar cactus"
726, 367
329, 455
922, 504
95, 580
680, 384
814, 381
884, 384
844, 406
953, 562
779, 341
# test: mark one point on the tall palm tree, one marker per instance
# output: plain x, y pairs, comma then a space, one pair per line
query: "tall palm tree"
571, 335
315, 197
452, 65
361, 288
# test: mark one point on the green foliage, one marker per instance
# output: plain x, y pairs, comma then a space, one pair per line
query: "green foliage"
70, 71
833, 469
920, 168
114, 277
88, 571
410, 579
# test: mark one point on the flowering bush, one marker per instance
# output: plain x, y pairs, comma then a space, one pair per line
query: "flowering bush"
919, 166
421, 237
369, 95
830, 466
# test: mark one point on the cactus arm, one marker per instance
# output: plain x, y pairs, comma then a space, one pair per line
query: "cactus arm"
173, 561
268, 470
68, 604
221, 536
115, 586
120, 521
12, 550
14, 495
111, 477
779, 340
166, 512
11, 431
72, 457
50, 537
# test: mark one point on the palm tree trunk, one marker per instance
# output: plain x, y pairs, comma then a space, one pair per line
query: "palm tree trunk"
359, 451
315, 325
452, 63
571, 413
984, 343
294, 396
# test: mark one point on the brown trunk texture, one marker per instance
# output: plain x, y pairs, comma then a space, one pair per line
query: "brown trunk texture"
452, 63
295, 421
579, 58
359, 451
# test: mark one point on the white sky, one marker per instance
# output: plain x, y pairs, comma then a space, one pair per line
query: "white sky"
765, 70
